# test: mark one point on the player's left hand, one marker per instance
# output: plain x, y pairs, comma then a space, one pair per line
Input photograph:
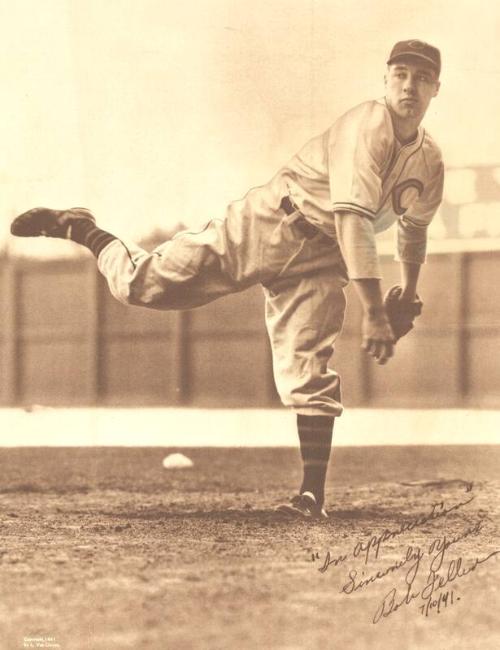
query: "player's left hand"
401, 312
378, 338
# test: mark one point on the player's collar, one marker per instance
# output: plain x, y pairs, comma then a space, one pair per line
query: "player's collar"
409, 147
415, 144
404, 144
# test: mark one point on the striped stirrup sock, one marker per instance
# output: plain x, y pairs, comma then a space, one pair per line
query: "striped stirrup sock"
86, 233
315, 435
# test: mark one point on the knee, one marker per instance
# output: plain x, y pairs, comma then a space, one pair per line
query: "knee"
138, 286
125, 294
314, 395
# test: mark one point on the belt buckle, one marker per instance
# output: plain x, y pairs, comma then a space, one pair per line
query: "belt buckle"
305, 228
288, 206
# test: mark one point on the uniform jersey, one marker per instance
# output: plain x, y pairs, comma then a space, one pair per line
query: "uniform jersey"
359, 166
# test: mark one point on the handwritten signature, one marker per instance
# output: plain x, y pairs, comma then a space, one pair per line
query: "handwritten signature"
370, 548
432, 586
456, 569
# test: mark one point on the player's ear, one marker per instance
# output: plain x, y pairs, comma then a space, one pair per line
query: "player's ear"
436, 90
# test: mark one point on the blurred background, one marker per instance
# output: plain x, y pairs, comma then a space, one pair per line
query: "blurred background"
155, 115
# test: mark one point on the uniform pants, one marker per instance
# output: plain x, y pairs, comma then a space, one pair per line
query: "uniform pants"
301, 270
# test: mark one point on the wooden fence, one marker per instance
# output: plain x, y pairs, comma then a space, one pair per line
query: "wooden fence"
65, 341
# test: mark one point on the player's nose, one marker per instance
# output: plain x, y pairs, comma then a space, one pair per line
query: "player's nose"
409, 85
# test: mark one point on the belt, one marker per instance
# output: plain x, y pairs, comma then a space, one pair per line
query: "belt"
307, 229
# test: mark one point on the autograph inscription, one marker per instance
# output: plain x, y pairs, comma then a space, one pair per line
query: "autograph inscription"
427, 573
392, 601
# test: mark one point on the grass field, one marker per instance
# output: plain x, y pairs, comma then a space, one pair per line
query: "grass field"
103, 549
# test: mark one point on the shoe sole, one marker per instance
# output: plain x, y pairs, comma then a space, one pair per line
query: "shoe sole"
40, 222
290, 511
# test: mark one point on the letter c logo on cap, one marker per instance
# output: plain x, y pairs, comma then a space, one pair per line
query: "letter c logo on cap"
416, 45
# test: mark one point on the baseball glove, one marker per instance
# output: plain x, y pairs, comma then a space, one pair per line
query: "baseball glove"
401, 313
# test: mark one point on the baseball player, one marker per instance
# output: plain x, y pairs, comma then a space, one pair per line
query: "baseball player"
303, 236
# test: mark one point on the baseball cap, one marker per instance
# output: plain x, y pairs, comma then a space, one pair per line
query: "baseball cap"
417, 49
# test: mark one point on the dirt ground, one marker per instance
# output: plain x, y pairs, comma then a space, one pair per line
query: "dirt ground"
104, 549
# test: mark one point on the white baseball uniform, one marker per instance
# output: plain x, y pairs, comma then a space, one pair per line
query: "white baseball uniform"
283, 236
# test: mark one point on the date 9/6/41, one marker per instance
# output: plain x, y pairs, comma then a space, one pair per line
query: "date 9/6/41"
445, 599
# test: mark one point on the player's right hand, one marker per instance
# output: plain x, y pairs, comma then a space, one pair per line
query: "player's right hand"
378, 338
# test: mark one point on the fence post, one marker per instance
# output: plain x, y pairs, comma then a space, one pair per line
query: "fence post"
11, 361
181, 357
94, 334
462, 343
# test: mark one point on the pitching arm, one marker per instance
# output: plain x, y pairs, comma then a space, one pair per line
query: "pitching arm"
356, 239
410, 272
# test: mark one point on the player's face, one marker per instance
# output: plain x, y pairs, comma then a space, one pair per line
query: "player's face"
410, 86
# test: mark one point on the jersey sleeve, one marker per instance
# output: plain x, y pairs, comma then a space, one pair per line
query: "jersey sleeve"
357, 154
412, 227
357, 244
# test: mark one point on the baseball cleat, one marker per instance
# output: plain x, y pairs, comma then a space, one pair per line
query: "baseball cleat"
48, 223
304, 506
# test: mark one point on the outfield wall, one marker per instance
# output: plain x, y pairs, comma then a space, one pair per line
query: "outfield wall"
65, 341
